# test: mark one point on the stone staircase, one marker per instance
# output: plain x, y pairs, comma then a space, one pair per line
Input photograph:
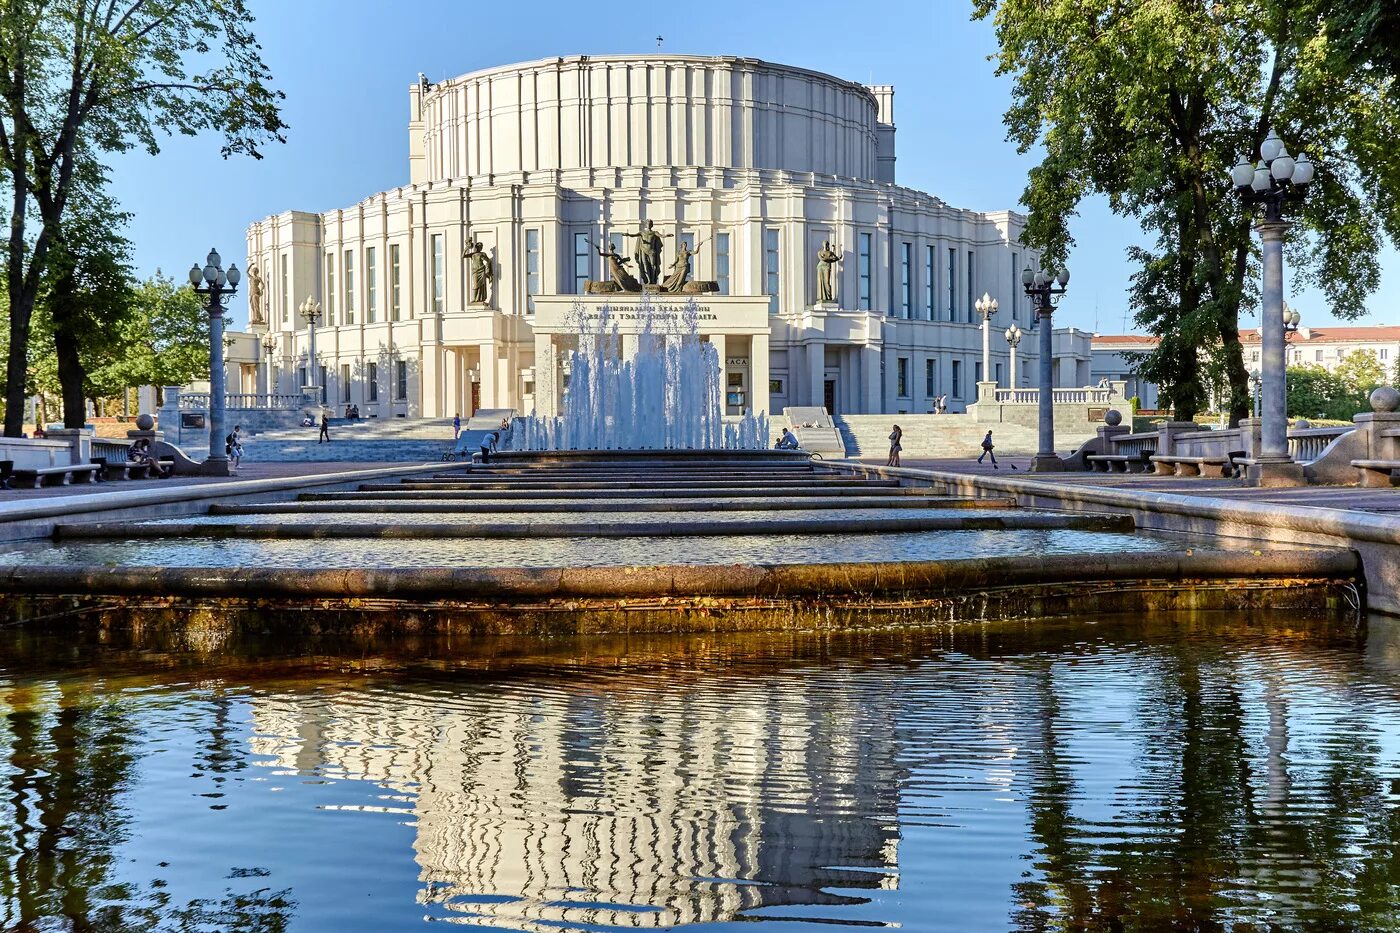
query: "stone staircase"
930, 436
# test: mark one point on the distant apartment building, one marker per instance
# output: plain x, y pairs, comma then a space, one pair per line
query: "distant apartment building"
1317, 346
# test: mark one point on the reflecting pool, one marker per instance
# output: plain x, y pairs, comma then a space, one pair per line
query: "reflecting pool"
1183, 772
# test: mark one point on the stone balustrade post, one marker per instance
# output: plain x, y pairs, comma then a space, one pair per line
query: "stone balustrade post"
79, 442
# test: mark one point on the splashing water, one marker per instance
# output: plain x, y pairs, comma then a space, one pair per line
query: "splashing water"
667, 396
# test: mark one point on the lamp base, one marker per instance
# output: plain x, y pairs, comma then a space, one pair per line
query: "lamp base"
212, 467
1047, 463
1273, 473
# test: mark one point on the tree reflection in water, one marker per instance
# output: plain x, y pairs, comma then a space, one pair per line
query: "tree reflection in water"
67, 760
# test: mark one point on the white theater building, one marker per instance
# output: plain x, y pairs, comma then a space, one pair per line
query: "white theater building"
752, 163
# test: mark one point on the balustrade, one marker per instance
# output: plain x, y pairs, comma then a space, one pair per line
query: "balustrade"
1308, 444
243, 400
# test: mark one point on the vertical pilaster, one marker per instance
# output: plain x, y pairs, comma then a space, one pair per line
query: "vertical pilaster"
546, 390
759, 400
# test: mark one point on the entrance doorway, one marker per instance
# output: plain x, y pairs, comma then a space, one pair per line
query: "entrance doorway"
829, 396
476, 397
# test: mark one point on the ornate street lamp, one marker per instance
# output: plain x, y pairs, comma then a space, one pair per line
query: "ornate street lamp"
1040, 288
1276, 180
218, 286
1013, 340
311, 310
987, 307
1256, 382
269, 345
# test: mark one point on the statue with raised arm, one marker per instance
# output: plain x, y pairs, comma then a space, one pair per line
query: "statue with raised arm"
827, 258
617, 267
648, 253
255, 295
480, 262
680, 267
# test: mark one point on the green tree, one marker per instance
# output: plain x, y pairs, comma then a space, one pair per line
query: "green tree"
1315, 392
164, 340
1149, 104
93, 76
1368, 28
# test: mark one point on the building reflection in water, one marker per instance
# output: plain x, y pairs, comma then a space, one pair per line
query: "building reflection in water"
648, 806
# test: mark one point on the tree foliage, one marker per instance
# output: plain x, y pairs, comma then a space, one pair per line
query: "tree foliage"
91, 76
165, 339
1314, 392
1149, 104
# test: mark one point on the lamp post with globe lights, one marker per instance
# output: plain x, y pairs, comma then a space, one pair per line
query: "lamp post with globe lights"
1276, 180
269, 345
987, 307
1013, 340
1040, 288
218, 286
311, 310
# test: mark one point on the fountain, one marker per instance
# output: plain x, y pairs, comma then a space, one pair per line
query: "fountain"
666, 396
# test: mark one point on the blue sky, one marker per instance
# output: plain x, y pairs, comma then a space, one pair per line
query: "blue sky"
346, 66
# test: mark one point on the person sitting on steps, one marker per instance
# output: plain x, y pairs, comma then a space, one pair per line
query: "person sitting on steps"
788, 441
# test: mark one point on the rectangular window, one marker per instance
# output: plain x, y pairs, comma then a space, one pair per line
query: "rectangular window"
906, 281
952, 283
1385, 353
301, 376
930, 378
1254, 356
722, 262
286, 295
324, 384
902, 376
863, 270
532, 269
977, 371
395, 292
775, 387
998, 368
928, 281
439, 276
583, 263
770, 263
373, 387
957, 379
345, 382
330, 290
371, 285
1317, 355
1015, 283
619, 244
971, 289
347, 275
401, 379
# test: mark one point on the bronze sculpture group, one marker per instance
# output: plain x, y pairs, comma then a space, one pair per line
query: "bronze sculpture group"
648, 274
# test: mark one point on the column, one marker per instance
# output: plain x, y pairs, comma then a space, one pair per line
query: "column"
546, 394
816, 372
430, 382
451, 382
1046, 460
508, 378
759, 400
217, 462
490, 391
870, 398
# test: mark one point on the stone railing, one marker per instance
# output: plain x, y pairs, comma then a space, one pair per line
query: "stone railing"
1135, 445
111, 449
256, 401
1307, 444
1087, 395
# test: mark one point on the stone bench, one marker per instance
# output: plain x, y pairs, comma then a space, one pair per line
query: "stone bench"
1376, 473
1221, 466
36, 475
1117, 463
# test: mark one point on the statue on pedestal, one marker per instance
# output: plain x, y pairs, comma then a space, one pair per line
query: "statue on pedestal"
648, 253
827, 258
617, 267
255, 296
680, 267
480, 262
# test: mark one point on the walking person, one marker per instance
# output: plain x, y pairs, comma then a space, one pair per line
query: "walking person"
233, 447
456, 425
895, 447
325, 436
987, 446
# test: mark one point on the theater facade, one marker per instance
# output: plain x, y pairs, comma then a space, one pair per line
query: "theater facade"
765, 193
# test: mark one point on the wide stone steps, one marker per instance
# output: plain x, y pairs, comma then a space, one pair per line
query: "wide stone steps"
931, 436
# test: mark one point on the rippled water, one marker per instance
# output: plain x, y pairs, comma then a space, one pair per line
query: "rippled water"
1191, 773
575, 518
578, 552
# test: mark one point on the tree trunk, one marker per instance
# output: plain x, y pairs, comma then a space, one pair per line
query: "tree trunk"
70, 378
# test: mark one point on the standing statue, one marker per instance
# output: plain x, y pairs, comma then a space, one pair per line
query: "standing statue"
617, 267
255, 296
480, 262
827, 258
648, 253
680, 267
